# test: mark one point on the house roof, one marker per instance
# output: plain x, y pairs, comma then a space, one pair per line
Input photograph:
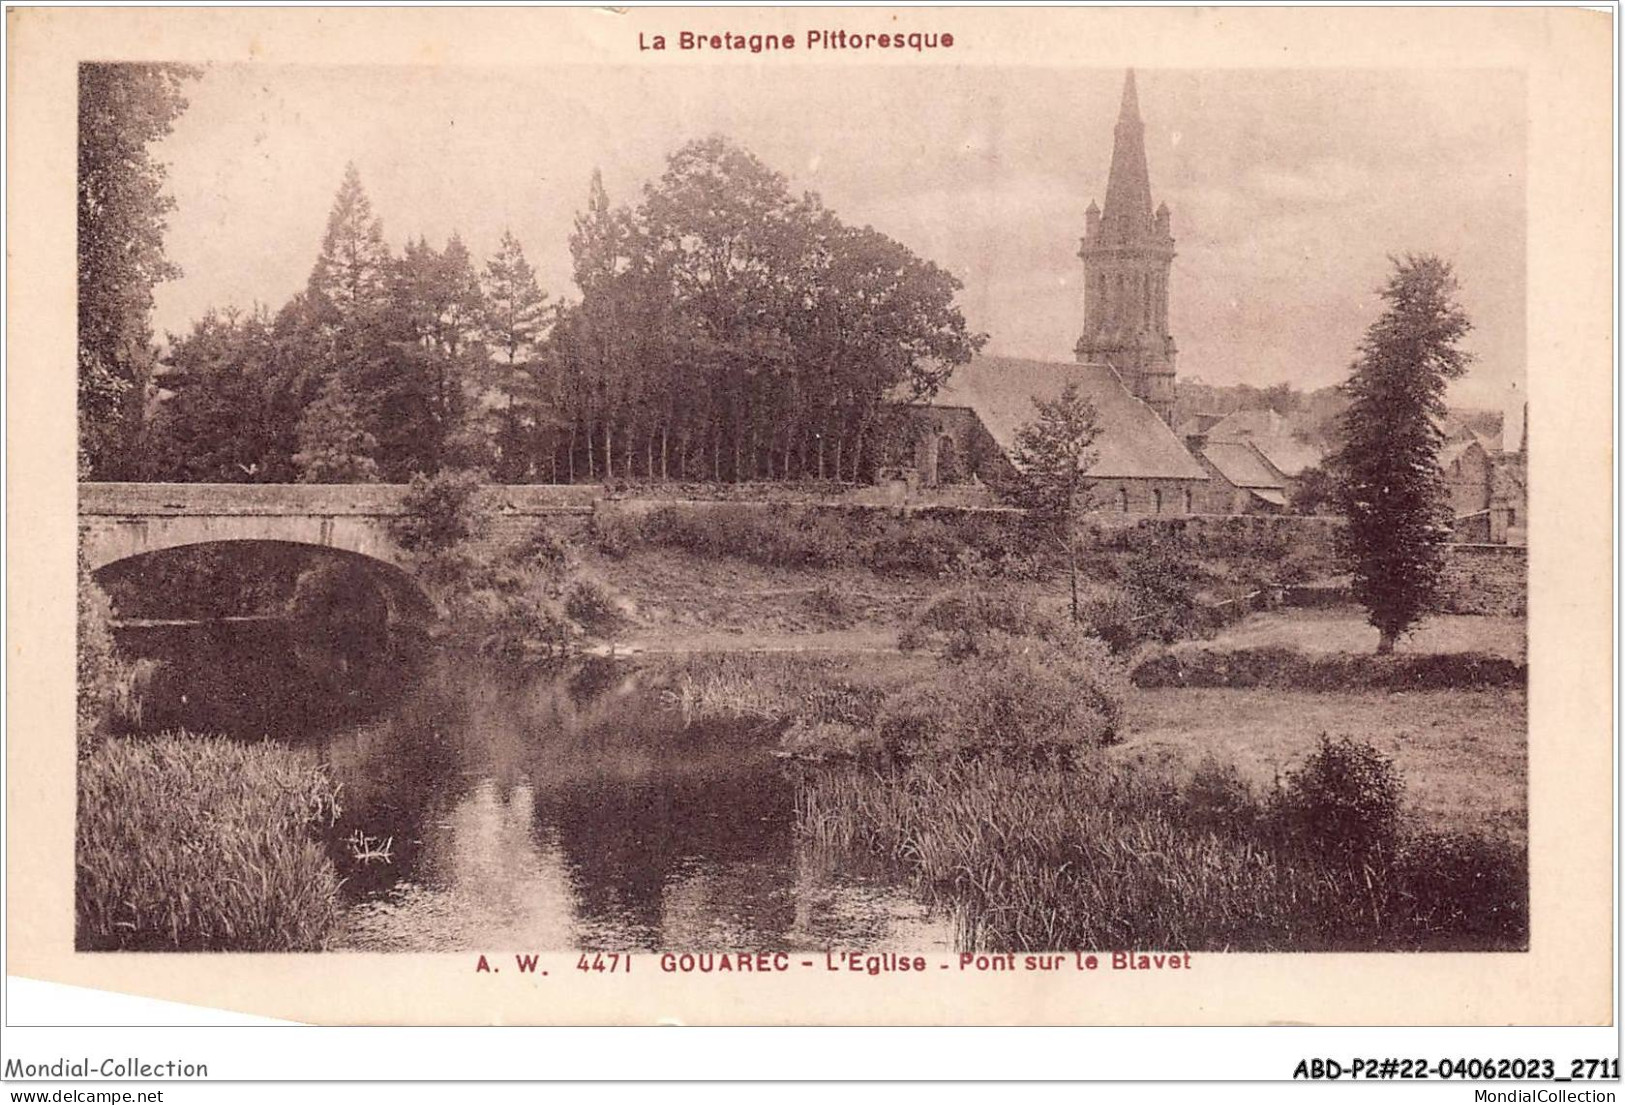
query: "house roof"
1239, 424
1452, 451
1198, 424
1272, 435
1289, 455
1242, 465
1133, 441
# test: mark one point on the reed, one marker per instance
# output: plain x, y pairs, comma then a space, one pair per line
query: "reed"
1099, 857
201, 843
782, 686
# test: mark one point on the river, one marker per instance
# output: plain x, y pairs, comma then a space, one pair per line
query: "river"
496, 804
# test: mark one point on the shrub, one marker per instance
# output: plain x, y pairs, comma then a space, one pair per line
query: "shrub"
203, 844
1218, 798
959, 616
507, 608
1471, 890
1283, 667
441, 511
496, 605
920, 546
615, 532
1160, 581
830, 604
1112, 619
101, 674
592, 606
1344, 801
1304, 563
547, 553
805, 536
1014, 700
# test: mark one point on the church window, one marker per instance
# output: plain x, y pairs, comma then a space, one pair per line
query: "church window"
1188, 501
1122, 499
1156, 501
949, 469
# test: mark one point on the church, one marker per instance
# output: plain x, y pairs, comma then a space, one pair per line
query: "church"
1124, 363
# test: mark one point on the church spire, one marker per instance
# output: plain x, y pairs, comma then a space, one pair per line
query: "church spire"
1131, 100
1127, 215
1127, 253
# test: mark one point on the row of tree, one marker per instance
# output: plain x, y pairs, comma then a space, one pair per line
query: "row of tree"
725, 329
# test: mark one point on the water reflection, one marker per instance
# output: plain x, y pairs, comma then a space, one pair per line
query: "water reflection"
536, 809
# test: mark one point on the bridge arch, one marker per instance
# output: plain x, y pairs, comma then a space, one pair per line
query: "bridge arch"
406, 604
120, 521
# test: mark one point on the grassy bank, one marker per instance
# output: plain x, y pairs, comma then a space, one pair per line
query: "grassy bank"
203, 844
1463, 754
1014, 775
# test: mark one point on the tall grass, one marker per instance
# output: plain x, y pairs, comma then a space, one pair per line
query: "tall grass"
782, 686
201, 843
1102, 857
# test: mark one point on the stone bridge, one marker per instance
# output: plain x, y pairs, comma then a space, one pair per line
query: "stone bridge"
118, 521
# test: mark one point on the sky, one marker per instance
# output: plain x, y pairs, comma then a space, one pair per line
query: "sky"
1289, 189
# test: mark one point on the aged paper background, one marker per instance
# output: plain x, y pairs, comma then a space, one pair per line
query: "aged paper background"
1565, 978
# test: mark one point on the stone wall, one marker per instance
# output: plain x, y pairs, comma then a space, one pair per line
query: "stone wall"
1221, 534
1135, 497
1486, 579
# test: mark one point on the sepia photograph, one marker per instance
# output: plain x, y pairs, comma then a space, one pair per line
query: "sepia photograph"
776, 495
1102, 528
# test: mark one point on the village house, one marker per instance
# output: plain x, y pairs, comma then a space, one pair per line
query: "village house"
1488, 486
1242, 479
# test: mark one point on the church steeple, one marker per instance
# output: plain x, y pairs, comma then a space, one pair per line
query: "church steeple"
1127, 253
1127, 214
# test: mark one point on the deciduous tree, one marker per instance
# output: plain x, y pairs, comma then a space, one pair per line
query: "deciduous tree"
1053, 454
122, 208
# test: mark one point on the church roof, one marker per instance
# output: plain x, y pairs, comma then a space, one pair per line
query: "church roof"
1133, 443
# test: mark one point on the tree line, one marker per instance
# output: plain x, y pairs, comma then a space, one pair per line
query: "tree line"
723, 328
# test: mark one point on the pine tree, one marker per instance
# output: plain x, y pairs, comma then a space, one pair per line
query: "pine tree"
349, 283
1052, 456
515, 316
347, 298
1389, 485
599, 249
